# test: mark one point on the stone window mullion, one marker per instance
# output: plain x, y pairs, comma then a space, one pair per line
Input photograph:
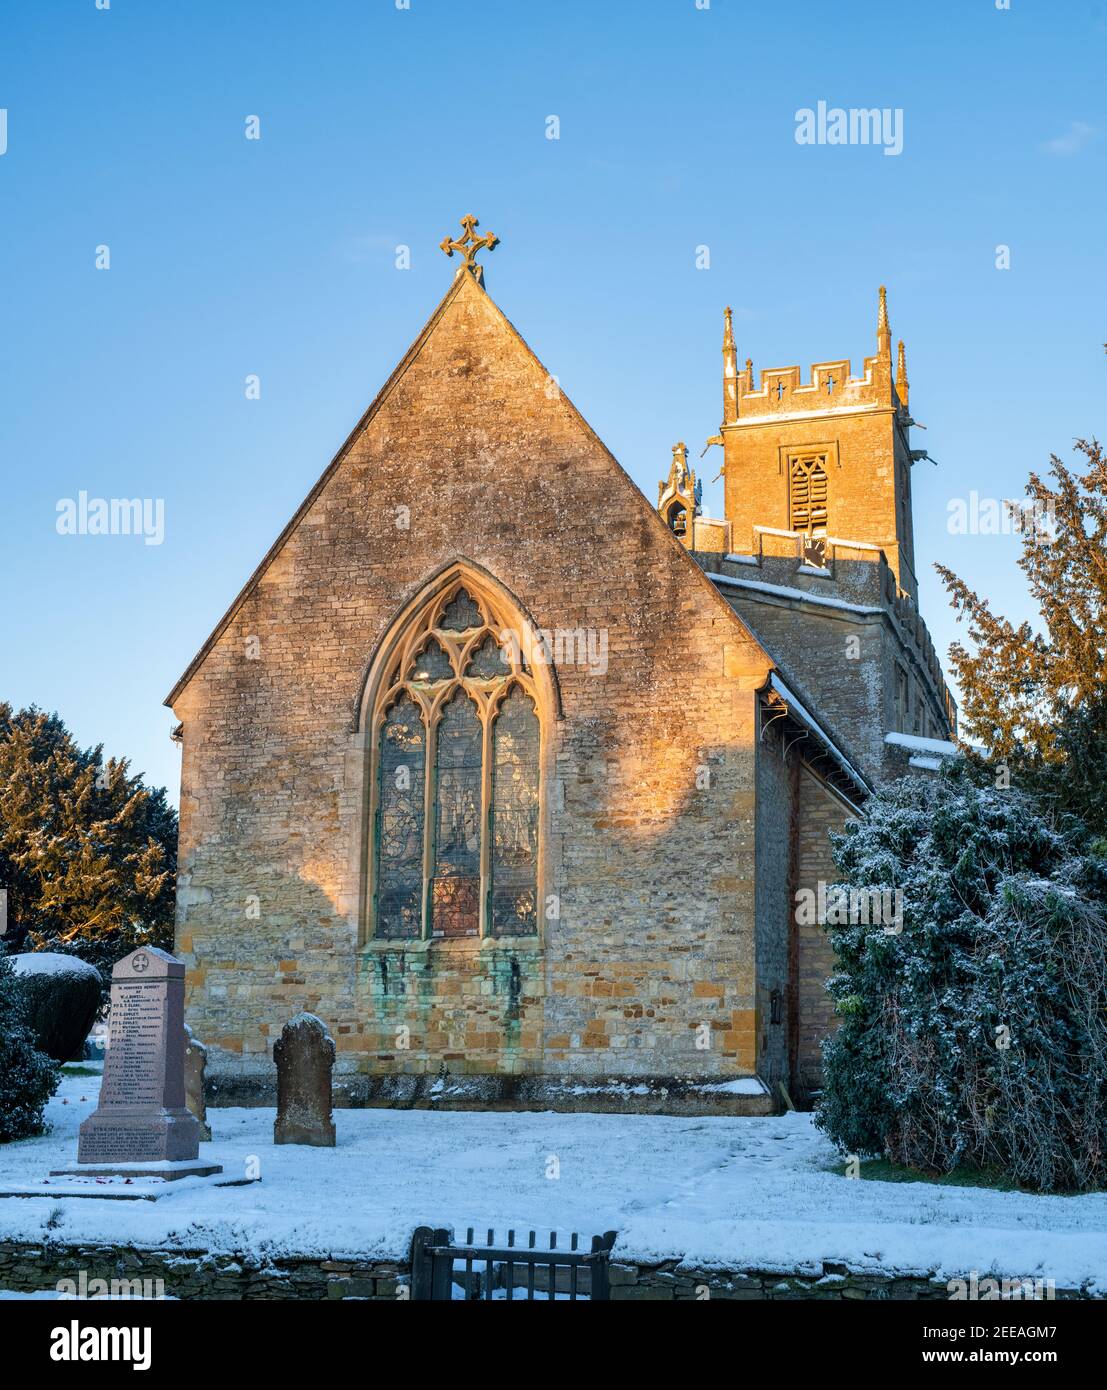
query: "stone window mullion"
430, 779
486, 821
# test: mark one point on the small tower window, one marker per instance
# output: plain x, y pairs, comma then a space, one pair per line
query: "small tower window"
678, 520
807, 492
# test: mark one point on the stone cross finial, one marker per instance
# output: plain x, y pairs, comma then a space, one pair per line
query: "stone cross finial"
468, 245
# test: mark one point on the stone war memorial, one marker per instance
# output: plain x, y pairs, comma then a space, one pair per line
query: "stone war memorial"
142, 1118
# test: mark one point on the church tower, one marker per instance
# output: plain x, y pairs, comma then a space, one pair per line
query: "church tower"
816, 552
829, 457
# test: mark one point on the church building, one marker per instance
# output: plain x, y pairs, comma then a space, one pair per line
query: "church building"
521, 806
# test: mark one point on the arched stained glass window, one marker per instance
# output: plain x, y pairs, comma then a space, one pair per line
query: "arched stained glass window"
456, 777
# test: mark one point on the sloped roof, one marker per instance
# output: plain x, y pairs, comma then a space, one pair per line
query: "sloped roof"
845, 777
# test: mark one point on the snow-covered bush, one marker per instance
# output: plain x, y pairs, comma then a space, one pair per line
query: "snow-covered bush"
974, 1030
28, 1078
62, 993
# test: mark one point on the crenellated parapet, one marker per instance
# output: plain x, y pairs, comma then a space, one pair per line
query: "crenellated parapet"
829, 386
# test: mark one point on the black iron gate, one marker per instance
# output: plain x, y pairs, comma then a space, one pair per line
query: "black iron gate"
442, 1271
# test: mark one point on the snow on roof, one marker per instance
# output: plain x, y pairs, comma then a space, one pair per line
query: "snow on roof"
830, 540
795, 707
784, 591
778, 416
51, 963
940, 747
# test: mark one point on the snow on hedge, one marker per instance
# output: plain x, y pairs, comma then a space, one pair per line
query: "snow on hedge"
51, 963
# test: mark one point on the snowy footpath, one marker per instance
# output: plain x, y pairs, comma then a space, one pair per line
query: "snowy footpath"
716, 1192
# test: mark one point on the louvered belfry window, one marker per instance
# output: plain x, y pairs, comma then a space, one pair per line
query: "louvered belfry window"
807, 492
455, 778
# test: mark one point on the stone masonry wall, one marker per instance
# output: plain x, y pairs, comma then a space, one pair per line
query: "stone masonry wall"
819, 815
846, 693
675, 1281
775, 824
196, 1274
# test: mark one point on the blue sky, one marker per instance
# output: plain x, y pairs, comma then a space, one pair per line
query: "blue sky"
382, 126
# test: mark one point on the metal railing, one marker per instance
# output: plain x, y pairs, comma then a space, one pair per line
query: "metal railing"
503, 1272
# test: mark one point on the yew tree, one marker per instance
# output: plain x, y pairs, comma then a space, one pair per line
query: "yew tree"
87, 851
1034, 696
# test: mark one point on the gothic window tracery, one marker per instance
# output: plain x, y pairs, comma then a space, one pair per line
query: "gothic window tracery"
455, 778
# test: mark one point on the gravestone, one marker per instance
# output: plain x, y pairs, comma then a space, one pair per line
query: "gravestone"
196, 1056
304, 1054
141, 1118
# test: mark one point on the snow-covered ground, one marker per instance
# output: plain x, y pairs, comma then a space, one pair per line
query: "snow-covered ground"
735, 1193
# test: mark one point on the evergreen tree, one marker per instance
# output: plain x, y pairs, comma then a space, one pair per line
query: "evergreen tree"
1037, 701
28, 1078
974, 1029
88, 853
